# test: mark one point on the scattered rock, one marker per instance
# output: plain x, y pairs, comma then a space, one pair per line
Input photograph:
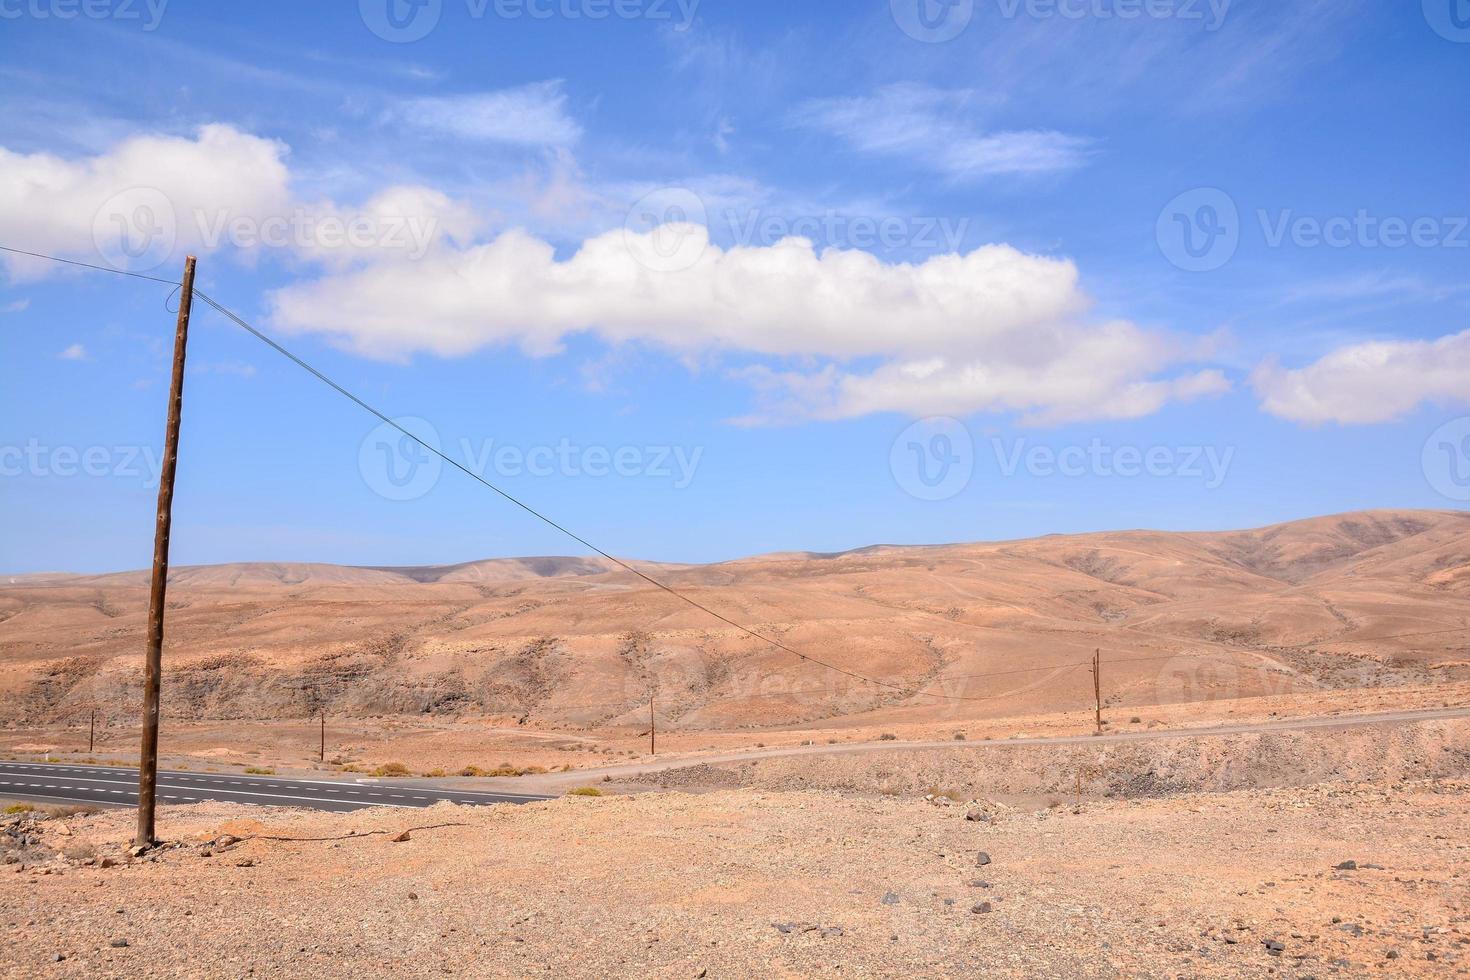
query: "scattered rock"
1274, 946
979, 883
980, 908
890, 899
58, 958
982, 859
118, 943
401, 838
107, 862
245, 863
1346, 866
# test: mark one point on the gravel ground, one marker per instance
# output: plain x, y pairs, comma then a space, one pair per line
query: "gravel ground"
743, 883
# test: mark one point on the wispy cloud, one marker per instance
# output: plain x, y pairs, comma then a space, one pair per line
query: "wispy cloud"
76, 352
18, 306
531, 115
935, 129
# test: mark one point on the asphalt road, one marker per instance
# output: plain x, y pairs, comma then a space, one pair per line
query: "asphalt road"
108, 785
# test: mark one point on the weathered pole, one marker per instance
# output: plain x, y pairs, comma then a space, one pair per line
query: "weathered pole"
324, 735
652, 726
153, 668
1097, 685
92, 732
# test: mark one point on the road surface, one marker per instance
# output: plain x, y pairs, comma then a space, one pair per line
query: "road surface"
553, 782
119, 787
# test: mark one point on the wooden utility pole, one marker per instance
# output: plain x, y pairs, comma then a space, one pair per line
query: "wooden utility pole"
324, 735
92, 732
652, 725
153, 668
1097, 685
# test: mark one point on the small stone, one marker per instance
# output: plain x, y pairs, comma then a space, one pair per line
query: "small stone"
890, 899
980, 908
413, 896
982, 859
119, 943
979, 883
245, 863
1346, 866
400, 838
107, 862
1392, 954
58, 958
977, 816
1274, 946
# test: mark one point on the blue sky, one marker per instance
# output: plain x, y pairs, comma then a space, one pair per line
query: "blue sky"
709, 279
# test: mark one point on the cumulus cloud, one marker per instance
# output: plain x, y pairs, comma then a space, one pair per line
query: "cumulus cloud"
995, 329
150, 199
1377, 381
531, 115
929, 127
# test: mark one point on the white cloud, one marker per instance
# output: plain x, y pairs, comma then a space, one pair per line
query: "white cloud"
76, 352
1377, 381
150, 199
19, 306
531, 115
992, 330
929, 126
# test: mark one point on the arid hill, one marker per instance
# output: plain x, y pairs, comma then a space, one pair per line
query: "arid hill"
952, 631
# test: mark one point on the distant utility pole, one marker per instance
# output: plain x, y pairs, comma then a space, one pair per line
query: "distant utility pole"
153, 669
324, 734
1097, 685
92, 732
652, 726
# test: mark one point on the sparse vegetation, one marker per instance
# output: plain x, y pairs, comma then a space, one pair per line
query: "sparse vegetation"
436, 774
585, 791
259, 771
19, 808
959, 736
392, 769
888, 737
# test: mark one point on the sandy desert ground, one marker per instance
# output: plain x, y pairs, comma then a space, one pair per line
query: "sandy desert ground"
744, 883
